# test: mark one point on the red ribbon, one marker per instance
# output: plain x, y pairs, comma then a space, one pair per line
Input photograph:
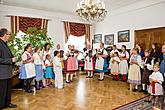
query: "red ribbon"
153, 87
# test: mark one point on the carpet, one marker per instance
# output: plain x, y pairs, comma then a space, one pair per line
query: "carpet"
140, 104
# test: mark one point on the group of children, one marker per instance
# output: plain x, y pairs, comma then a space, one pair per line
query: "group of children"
141, 70
138, 71
40, 66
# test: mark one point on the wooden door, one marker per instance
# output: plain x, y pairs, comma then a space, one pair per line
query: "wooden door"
147, 37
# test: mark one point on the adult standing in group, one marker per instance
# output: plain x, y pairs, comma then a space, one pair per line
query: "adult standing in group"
46, 51
123, 65
162, 64
114, 49
156, 53
6, 66
58, 47
27, 71
101, 62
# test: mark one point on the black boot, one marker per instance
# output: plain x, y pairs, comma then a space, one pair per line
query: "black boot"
25, 87
41, 84
29, 86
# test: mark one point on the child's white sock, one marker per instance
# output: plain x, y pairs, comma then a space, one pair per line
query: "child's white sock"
143, 86
67, 77
71, 77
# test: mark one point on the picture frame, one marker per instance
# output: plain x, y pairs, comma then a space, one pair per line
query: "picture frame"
109, 39
97, 38
124, 36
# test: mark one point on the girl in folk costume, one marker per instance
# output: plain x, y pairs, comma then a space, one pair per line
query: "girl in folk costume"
123, 65
155, 89
57, 68
71, 64
89, 64
114, 66
27, 71
49, 70
38, 61
134, 75
147, 66
101, 62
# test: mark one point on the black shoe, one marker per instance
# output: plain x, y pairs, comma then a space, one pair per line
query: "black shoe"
71, 80
30, 91
135, 90
147, 101
88, 77
91, 76
11, 106
101, 79
67, 82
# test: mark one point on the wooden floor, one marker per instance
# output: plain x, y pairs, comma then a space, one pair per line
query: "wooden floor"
82, 94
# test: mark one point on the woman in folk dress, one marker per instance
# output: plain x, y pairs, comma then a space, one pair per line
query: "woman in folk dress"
134, 75
27, 71
71, 64
123, 65
101, 62
38, 61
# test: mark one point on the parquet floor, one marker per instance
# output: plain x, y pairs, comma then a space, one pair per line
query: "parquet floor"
82, 94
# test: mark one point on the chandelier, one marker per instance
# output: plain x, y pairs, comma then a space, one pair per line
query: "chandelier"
91, 10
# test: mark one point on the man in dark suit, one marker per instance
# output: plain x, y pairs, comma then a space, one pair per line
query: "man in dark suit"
6, 66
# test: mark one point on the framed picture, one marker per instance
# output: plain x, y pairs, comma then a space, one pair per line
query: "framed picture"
97, 38
123, 36
109, 39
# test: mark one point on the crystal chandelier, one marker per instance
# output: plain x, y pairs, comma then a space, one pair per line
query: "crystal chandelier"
91, 10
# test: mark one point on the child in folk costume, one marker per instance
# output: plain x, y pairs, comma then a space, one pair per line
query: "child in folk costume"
123, 65
89, 64
114, 66
27, 71
155, 89
71, 64
101, 62
49, 70
134, 75
38, 61
57, 68
62, 58
147, 66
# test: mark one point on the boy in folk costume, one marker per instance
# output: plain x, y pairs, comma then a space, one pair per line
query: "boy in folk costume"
123, 65
147, 66
155, 89
114, 66
71, 64
101, 62
57, 68
134, 75
89, 64
27, 71
38, 61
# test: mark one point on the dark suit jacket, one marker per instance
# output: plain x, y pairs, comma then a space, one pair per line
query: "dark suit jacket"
6, 65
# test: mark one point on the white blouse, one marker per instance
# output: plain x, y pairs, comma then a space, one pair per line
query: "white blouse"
37, 59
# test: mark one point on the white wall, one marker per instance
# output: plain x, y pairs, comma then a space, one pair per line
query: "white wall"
142, 15
55, 24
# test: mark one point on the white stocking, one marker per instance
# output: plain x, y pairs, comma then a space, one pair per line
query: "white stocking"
67, 77
71, 77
